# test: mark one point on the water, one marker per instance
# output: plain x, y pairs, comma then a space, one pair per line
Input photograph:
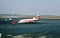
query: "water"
44, 27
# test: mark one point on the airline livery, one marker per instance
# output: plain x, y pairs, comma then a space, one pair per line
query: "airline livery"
36, 18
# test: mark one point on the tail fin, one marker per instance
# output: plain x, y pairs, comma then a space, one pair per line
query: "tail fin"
36, 17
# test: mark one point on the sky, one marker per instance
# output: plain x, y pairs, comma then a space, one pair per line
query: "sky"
30, 7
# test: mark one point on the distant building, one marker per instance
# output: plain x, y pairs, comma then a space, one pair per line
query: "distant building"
9, 16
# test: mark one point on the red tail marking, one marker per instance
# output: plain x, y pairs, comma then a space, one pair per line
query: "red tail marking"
37, 17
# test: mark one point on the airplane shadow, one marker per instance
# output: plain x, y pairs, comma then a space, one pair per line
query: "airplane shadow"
33, 23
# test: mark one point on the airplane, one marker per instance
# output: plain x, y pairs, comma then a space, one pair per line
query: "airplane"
48, 30
36, 18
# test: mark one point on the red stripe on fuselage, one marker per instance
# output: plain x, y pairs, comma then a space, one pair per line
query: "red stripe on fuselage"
28, 20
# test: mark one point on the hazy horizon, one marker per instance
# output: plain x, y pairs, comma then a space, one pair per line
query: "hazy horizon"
30, 7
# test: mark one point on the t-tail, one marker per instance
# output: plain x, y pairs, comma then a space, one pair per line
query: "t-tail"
36, 17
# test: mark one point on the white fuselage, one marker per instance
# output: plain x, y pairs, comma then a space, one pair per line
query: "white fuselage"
26, 20
29, 20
